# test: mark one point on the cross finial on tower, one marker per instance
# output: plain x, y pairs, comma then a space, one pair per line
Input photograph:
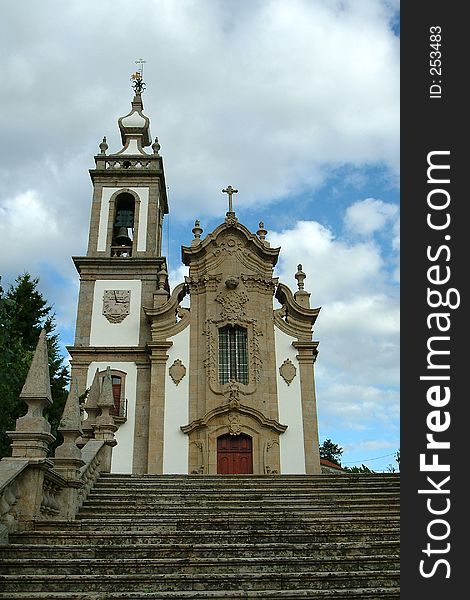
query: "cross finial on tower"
230, 191
137, 78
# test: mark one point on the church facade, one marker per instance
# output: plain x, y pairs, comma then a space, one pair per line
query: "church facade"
208, 377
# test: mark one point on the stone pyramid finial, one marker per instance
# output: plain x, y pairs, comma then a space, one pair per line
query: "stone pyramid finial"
105, 427
37, 384
301, 296
32, 435
94, 392
71, 428
106, 398
91, 407
71, 419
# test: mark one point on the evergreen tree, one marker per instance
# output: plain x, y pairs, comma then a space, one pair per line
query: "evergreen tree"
331, 452
23, 313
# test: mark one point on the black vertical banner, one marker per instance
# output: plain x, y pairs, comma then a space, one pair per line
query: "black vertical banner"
434, 301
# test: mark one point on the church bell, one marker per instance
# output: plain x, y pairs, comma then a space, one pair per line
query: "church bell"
122, 238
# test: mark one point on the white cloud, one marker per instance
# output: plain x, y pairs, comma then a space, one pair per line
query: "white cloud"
334, 268
270, 99
368, 216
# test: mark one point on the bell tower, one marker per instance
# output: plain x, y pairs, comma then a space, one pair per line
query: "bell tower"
122, 271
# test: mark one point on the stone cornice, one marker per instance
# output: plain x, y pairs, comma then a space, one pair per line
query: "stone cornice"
87, 354
118, 265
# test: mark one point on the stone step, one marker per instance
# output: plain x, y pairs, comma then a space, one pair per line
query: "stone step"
250, 536
193, 566
140, 551
223, 485
241, 499
267, 580
159, 526
373, 593
121, 510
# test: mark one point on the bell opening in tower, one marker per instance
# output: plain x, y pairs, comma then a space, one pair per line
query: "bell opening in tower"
123, 227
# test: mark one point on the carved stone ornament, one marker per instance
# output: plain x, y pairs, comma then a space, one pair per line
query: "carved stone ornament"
177, 371
234, 426
288, 371
232, 305
116, 305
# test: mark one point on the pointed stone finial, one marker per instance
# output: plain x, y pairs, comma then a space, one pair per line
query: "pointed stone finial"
300, 276
156, 147
197, 229
103, 146
105, 427
91, 407
32, 435
71, 416
162, 277
37, 384
71, 428
301, 296
261, 233
106, 398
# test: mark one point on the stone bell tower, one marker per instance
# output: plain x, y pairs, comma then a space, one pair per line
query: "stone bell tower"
120, 273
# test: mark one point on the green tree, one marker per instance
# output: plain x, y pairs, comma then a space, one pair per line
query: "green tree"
331, 452
356, 469
23, 313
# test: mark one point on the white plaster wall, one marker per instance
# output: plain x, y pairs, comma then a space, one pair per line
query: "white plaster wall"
290, 409
175, 442
122, 453
143, 193
126, 333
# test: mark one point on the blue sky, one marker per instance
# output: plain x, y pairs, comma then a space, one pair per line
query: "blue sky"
294, 103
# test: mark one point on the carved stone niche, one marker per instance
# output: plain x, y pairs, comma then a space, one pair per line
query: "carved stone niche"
288, 371
177, 371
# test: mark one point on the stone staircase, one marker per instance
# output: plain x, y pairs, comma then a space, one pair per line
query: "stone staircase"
231, 537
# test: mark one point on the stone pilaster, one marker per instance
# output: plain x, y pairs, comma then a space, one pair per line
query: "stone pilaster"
307, 353
158, 359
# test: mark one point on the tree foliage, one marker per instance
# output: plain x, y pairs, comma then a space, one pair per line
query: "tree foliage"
23, 313
331, 452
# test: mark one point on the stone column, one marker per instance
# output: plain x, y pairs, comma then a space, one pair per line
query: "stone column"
158, 359
307, 353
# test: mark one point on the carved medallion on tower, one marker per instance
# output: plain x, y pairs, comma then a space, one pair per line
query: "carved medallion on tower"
116, 305
232, 304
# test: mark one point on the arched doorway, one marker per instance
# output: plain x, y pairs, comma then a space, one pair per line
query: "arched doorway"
234, 455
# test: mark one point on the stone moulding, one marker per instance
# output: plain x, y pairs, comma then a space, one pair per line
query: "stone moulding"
177, 371
230, 409
288, 371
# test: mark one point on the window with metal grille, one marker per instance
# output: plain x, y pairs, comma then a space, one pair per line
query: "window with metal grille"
233, 354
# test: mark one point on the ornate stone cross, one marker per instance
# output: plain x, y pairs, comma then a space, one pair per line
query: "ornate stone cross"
230, 191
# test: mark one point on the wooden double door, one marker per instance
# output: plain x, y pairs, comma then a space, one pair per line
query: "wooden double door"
234, 455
